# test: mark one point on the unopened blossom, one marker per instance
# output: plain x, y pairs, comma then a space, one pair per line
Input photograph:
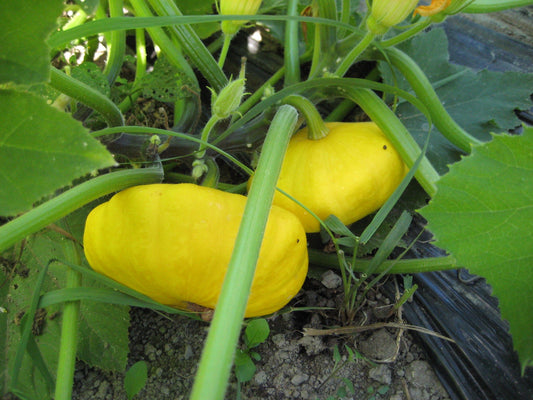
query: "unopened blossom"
384, 14
237, 7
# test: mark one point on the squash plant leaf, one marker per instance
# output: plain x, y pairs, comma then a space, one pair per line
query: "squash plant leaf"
20, 268
479, 101
104, 337
26, 24
22, 274
41, 150
483, 215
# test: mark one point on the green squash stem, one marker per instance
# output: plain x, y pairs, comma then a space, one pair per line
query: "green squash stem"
217, 357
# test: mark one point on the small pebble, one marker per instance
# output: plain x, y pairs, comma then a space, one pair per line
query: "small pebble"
299, 379
381, 374
188, 352
331, 280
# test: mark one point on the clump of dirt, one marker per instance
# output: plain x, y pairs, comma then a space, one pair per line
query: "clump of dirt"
387, 363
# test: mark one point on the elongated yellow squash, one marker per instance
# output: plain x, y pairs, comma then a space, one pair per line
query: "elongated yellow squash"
173, 243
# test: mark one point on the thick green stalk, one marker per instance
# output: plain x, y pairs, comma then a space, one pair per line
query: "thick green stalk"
487, 6
403, 266
316, 59
315, 124
407, 34
116, 47
140, 70
425, 92
140, 59
101, 16
72, 199
217, 357
396, 132
291, 52
345, 17
86, 95
192, 45
327, 9
324, 49
354, 54
66, 364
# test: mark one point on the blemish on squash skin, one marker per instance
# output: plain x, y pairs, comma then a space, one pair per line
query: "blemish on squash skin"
384, 147
205, 313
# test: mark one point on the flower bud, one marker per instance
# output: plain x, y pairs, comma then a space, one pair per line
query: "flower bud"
199, 168
384, 14
229, 99
237, 7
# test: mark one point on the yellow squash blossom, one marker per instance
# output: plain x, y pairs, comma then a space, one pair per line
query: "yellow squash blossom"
442, 8
385, 14
237, 7
435, 7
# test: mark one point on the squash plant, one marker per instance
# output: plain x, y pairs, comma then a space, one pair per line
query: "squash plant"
67, 140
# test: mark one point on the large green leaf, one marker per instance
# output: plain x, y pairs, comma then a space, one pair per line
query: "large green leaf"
41, 150
26, 24
480, 102
483, 215
21, 285
103, 328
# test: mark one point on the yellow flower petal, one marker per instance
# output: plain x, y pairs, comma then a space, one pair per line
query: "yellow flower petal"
435, 7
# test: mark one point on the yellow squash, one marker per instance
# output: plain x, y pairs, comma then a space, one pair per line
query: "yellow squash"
173, 243
350, 173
